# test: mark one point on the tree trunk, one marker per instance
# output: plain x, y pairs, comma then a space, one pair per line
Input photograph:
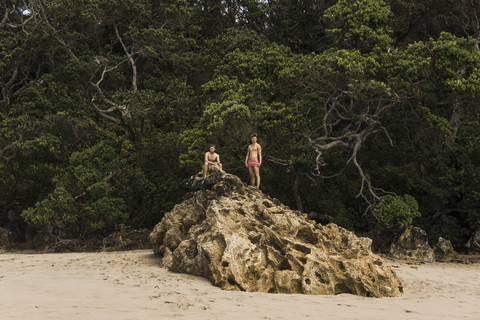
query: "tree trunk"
296, 193
455, 119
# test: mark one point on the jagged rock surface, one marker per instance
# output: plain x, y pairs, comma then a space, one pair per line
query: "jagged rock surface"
443, 250
409, 243
412, 245
241, 239
473, 244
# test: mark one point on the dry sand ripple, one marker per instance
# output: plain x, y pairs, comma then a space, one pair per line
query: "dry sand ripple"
131, 285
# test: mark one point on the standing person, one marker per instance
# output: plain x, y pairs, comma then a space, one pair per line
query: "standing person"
211, 159
253, 160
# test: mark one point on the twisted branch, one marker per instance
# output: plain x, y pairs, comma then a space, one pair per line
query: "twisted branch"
125, 116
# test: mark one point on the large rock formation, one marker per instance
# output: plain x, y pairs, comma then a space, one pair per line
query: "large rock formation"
412, 245
241, 239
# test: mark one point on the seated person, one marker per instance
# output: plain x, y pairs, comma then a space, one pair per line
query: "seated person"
211, 159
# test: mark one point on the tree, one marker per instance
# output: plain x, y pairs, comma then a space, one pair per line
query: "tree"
394, 210
298, 24
363, 25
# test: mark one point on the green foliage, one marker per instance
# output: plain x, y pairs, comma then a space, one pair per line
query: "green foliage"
76, 159
397, 210
227, 125
55, 211
93, 194
221, 116
362, 24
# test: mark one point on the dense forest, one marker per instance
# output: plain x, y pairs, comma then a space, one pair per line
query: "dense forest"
366, 110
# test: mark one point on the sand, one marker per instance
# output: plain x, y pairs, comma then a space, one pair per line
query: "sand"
132, 285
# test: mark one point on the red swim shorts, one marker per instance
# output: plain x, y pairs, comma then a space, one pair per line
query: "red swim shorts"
252, 163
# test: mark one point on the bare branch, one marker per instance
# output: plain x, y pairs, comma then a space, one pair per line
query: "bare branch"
4, 19
14, 86
457, 111
348, 133
125, 116
296, 193
33, 15
10, 147
281, 162
130, 59
5, 150
51, 29
387, 134
104, 114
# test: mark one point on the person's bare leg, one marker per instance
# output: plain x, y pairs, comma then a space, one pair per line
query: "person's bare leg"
221, 166
257, 175
205, 169
252, 175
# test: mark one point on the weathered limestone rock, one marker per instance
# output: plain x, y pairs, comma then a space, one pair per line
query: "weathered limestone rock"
241, 239
412, 245
399, 243
443, 250
473, 244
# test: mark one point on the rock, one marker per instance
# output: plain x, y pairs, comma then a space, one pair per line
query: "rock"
399, 243
412, 245
4, 241
382, 239
443, 250
473, 244
126, 238
241, 239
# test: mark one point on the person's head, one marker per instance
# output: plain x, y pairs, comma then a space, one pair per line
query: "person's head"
212, 148
253, 137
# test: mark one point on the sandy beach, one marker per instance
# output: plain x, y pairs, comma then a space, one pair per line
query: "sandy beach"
132, 285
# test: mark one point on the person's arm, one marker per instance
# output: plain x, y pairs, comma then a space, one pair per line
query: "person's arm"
218, 159
259, 155
246, 158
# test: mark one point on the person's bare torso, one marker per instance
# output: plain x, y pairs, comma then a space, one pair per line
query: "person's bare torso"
253, 152
212, 156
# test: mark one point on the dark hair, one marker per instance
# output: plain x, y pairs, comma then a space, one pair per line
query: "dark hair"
212, 146
253, 135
